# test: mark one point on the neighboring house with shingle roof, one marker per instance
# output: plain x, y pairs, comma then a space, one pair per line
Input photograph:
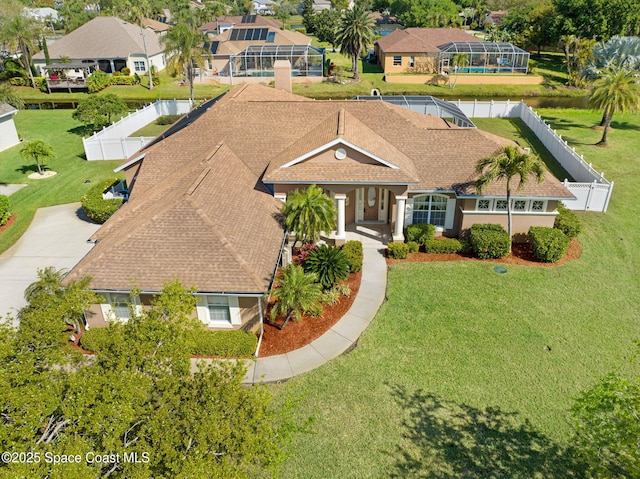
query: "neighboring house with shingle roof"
157, 27
111, 43
8, 133
204, 204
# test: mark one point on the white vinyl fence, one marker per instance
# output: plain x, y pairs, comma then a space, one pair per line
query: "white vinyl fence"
591, 189
114, 143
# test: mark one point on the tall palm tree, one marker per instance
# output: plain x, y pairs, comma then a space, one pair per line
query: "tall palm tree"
296, 293
308, 212
355, 33
184, 50
136, 12
616, 89
458, 60
19, 32
38, 151
505, 164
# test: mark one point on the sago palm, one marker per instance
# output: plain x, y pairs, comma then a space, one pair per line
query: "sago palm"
355, 34
296, 294
505, 164
308, 212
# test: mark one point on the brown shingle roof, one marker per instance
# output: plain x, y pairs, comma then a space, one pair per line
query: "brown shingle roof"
101, 38
155, 25
422, 40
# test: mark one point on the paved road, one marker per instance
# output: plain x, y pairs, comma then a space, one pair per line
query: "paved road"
57, 237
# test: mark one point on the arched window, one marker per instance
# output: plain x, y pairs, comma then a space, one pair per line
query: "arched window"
430, 209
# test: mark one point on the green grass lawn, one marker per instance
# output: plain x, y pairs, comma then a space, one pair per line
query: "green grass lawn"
75, 174
453, 378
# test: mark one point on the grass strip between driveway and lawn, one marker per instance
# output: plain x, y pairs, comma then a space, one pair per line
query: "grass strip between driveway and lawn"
468, 373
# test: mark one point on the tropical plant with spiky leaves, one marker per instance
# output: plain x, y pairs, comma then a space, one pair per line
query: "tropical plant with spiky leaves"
295, 294
308, 212
329, 264
505, 164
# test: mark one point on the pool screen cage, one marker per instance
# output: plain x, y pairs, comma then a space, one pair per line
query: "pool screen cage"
257, 61
484, 57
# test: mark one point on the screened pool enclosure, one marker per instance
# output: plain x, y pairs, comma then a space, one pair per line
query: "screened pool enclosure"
257, 61
483, 57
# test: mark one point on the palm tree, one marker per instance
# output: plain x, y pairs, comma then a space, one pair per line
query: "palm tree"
458, 60
616, 89
49, 283
37, 151
136, 12
19, 32
355, 33
185, 52
308, 212
295, 294
505, 164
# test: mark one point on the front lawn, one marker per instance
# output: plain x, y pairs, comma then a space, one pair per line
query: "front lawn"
75, 174
468, 373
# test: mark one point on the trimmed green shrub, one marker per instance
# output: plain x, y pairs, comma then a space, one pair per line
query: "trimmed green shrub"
489, 241
235, 344
418, 231
567, 222
548, 244
353, 251
398, 250
328, 263
18, 81
122, 80
97, 81
443, 246
96, 339
5, 211
414, 247
167, 119
98, 209
126, 71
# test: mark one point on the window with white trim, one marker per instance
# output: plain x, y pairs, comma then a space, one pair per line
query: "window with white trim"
139, 66
218, 307
412, 61
518, 205
219, 311
501, 205
430, 209
484, 205
538, 205
397, 60
117, 306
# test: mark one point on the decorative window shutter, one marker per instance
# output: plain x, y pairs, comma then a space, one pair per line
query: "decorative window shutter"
202, 311
234, 311
450, 214
408, 212
107, 312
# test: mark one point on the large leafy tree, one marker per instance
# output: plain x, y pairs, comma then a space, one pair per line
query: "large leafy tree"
507, 163
616, 89
98, 111
138, 395
184, 51
308, 212
37, 151
426, 13
355, 34
296, 293
325, 24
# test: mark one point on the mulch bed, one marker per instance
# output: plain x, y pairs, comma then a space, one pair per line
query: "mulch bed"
520, 254
12, 218
300, 333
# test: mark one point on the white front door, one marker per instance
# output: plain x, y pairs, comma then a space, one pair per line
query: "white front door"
372, 205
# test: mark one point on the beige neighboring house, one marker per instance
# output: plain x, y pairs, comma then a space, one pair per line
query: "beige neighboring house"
159, 28
205, 202
8, 133
111, 44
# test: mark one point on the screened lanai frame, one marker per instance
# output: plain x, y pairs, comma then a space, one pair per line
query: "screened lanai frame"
257, 61
485, 57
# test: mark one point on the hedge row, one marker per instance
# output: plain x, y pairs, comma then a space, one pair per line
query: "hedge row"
398, 250
443, 246
5, 211
548, 244
420, 232
567, 222
353, 251
98, 209
489, 241
231, 344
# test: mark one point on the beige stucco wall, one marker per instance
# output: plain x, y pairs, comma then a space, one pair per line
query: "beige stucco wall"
521, 222
479, 79
423, 62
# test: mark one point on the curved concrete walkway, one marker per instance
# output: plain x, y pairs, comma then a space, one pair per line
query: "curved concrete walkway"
56, 237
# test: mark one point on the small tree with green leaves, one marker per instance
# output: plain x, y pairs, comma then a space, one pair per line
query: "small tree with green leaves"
308, 212
297, 293
97, 111
37, 151
458, 61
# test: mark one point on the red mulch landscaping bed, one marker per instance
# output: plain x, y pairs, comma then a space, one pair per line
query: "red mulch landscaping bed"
11, 219
300, 333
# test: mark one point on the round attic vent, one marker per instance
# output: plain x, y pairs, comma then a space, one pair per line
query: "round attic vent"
341, 154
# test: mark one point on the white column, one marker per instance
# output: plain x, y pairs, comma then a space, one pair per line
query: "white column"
398, 234
341, 198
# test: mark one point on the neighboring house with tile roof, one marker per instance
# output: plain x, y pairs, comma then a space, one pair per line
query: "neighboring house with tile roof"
244, 47
204, 204
8, 133
109, 42
430, 51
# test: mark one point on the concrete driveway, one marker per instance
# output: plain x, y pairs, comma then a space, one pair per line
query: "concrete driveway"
57, 237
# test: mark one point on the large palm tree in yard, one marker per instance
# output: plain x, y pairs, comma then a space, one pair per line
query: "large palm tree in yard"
19, 32
616, 89
355, 33
308, 212
37, 151
184, 51
505, 164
